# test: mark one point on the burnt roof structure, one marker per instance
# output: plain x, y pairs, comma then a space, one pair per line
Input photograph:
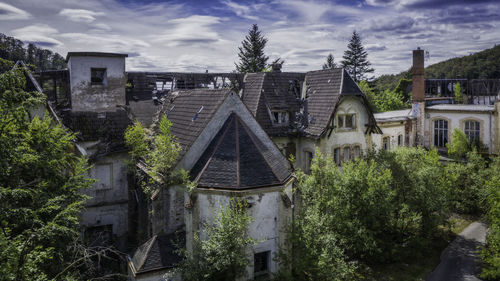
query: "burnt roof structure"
237, 159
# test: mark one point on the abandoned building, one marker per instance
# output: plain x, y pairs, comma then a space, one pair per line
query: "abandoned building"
236, 133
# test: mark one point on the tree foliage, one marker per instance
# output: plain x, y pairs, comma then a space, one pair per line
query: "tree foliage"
12, 49
386, 100
221, 255
355, 59
459, 145
40, 179
251, 52
330, 62
458, 94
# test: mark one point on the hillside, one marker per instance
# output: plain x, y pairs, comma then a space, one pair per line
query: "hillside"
481, 65
12, 50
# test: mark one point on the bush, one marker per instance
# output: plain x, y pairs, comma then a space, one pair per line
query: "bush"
490, 254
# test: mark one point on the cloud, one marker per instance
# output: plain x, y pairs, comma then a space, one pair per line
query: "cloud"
399, 24
375, 47
9, 12
244, 11
192, 30
106, 42
80, 15
40, 34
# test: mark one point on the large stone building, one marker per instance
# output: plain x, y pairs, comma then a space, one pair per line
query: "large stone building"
236, 132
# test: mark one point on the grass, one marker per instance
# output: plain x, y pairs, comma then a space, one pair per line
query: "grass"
424, 260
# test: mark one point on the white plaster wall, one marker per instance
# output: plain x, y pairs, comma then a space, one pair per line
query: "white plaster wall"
269, 213
392, 130
87, 97
454, 121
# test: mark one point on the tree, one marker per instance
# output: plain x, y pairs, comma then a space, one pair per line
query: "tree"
355, 59
459, 145
221, 256
330, 62
40, 180
370, 95
459, 96
251, 52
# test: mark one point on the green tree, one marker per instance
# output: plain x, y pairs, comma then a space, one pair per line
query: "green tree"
459, 145
370, 95
355, 59
330, 62
251, 52
40, 180
221, 255
390, 100
459, 96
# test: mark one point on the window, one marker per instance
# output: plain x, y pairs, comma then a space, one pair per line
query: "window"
357, 151
279, 117
308, 160
346, 121
261, 263
336, 155
104, 175
440, 133
98, 76
472, 130
347, 153
99, 235
386, 141
400, 140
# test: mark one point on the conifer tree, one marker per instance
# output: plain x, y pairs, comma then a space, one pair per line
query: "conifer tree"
330, 62
252, 57
355, 61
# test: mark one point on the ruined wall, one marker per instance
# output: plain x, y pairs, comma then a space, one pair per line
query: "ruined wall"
88, 97
108, 204
167, 214
268, 207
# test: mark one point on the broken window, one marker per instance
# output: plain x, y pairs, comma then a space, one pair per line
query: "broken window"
346, 121
440, 133
472, 130
386, 141
347, 153
98, 76
261, 263
280, 117
336, 155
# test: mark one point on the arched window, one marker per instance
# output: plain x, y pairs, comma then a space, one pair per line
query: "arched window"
440, 132
472, 130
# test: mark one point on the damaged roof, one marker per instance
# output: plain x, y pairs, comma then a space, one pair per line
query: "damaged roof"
158, 253
190, 111
106, 127
264, 92
237, 159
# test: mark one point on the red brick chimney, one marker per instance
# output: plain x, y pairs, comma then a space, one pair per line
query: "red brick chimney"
418, 90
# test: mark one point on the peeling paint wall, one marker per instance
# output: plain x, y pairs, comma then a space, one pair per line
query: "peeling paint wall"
88, 97
270, 213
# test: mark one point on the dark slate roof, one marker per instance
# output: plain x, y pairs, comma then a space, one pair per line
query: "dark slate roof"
237, 159
94, 54
181, 108
159, 252
324, 91
108, 127
264, 92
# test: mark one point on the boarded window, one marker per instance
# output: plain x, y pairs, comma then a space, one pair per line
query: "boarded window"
98, 76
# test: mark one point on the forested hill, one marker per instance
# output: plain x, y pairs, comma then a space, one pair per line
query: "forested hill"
481, 65
12, 50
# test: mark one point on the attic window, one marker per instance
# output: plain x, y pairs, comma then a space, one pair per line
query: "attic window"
98, 76
197, 113
279, 117
346, 121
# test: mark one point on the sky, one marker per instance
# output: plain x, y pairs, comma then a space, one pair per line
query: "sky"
198, 35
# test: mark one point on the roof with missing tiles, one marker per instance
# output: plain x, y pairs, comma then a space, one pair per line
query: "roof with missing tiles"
237, 159
190, 111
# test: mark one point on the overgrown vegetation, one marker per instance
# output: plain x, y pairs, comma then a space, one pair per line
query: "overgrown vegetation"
387, 100
40, 182
220, 256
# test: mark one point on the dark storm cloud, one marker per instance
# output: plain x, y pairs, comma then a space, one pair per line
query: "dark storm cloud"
376, 48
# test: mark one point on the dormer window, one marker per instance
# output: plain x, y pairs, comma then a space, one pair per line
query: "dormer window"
98, 76
279, 117
346, 122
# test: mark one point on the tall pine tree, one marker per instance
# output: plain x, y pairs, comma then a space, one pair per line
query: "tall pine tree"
330, 62
355, 61
252, 57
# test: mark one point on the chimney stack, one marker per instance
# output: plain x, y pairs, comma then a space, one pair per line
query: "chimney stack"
418, 87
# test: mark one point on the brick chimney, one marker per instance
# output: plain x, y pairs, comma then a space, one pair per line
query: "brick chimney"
418, 90
418, 97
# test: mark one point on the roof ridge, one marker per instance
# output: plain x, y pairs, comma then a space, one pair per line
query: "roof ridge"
146, 253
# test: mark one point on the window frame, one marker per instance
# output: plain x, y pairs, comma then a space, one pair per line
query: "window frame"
266, 258
104, 79
341, 121
476, 138
441, 131
388, 138
280, 117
